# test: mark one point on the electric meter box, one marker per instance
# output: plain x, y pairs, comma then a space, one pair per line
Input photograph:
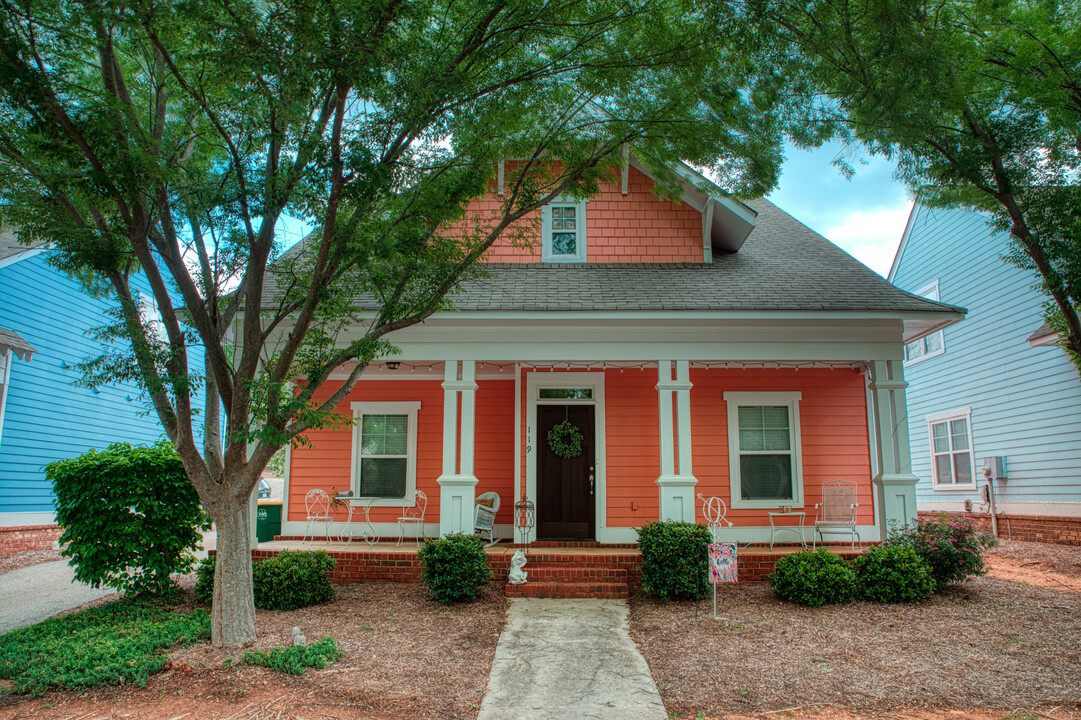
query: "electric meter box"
997, 466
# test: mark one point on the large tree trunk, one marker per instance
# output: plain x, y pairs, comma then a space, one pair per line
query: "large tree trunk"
232, 619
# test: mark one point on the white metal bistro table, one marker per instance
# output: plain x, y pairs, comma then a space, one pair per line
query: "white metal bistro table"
775, 530
348, 531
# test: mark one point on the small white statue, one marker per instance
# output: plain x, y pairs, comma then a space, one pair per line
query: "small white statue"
516, 576
299, 640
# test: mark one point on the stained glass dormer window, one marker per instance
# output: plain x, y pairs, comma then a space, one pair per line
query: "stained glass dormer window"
564, 232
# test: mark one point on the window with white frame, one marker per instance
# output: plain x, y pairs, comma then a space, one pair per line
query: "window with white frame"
564, 231
952, 464
930, 345
385, 450
765, 464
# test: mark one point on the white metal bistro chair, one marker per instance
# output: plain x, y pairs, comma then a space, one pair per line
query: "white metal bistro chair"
837, 511
317, 506
485, 509
413, 514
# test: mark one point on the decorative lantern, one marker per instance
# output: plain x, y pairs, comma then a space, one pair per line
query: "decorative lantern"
525, 518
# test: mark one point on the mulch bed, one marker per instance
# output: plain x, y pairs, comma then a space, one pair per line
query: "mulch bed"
989, 643
19, 560
405, 656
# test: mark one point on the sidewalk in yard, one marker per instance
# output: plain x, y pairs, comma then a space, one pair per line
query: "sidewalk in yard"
569, 658
32, 594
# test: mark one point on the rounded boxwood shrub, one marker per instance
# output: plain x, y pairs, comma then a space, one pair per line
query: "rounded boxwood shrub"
675, 560
455, 567
286, 581
893, 574
813, 578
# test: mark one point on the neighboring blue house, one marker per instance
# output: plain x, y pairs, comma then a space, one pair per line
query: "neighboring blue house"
993, 385
44, 316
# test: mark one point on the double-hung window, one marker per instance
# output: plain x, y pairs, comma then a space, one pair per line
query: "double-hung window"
952, 463
385, 451
563, 225
927, 346
765, 464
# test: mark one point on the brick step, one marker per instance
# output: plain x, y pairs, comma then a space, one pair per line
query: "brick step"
600, 590
576, 574
557, 558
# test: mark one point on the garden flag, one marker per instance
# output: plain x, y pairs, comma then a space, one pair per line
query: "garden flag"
722, 563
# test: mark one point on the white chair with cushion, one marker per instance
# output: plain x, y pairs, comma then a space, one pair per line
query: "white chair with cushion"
485, 509
413, 514
837, 511
317, 506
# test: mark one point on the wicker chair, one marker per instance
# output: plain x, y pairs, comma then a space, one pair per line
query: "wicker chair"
485, 508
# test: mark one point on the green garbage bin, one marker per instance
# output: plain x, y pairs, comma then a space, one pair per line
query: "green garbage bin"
268, 520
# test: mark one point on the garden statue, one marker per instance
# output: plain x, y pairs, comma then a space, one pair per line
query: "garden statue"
516, 576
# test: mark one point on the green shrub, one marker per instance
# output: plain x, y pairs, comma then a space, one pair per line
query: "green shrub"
813, 578
286, 581
130, 516
297, 659
893, 574
114, 644
952, 548
675, 560
455, 567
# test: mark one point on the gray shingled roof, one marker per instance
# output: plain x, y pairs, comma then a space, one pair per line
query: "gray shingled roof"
10, 245
784, 265
11, 340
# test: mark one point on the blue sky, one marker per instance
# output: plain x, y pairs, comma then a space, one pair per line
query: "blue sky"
864, 215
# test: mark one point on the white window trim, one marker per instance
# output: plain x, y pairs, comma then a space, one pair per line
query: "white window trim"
580, 229
5, 382
962, 413
790, 399
929, 291
410, 409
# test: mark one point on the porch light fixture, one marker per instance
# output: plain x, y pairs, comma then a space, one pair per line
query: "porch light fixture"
393, 365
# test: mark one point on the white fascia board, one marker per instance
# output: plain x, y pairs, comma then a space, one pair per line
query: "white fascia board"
559, 317
916, 207
20, 256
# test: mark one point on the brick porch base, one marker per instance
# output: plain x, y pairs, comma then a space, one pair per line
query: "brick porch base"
554, 571
21, 538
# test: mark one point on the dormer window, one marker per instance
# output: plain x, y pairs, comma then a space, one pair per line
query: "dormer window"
564, 228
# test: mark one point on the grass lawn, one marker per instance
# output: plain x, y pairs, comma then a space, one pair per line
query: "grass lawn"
118, 643
990, 643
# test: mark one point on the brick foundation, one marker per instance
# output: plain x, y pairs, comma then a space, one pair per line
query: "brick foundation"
1031, 528
570, 571
21, 538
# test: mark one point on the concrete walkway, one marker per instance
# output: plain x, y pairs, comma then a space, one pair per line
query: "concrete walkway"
38, 592
562, 659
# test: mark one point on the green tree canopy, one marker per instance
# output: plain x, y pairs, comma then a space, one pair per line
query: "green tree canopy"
979, 102
170, 138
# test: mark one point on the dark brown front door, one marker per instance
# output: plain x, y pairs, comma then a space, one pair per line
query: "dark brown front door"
565, 508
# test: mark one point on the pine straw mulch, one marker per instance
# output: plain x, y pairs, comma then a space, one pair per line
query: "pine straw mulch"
992, 644
405, 656
20, 560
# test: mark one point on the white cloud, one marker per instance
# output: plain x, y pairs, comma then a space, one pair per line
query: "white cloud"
871, 236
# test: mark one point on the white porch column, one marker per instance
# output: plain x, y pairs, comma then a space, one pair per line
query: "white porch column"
894, 483
457, 487
676, 487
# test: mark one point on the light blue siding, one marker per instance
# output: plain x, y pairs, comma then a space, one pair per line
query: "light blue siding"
46, 418
1025, 401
